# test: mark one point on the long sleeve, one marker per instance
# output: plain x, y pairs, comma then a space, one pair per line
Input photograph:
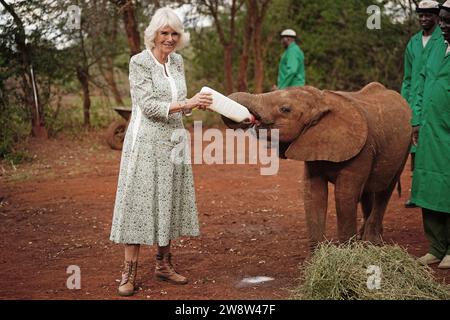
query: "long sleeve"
301, 70
417, 107
143, 93
406, 85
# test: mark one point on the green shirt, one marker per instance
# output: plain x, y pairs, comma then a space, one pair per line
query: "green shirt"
431, 182
291, 71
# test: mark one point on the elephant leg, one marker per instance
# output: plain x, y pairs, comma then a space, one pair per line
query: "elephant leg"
348, 191
367, 199
373, 230
316, 201
346, 209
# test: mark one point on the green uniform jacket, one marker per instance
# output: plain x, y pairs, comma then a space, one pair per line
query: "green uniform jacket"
431, 182
415, 57
291, 71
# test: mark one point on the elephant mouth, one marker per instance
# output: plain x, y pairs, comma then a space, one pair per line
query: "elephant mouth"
259, 122
246, 124
259, 125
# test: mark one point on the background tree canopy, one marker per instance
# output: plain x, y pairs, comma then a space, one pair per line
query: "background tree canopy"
80, 74
340, 51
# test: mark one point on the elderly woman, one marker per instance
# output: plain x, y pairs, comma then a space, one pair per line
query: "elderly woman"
155, 200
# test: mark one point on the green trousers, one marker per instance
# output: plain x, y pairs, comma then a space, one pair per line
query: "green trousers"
437, 230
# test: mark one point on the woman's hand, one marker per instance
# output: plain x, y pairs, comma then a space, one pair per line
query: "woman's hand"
200, 100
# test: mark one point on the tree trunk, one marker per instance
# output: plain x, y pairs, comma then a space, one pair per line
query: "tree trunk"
113, 86
38, 129
107, 71
227, 39
38, 122
83, 77
31, 99
82, 70
243, 63
228, 68
258, 9
129, 19
259, 61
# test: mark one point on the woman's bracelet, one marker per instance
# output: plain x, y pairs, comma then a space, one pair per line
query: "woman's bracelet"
186, 112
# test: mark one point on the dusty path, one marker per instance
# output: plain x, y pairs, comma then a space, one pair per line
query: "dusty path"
57, 211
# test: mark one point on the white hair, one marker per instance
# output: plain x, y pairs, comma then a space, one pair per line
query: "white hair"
164, 17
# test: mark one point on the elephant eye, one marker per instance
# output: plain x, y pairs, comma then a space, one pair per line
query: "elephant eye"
285, 109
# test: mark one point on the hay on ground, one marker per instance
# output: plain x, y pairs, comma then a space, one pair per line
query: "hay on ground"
344, 272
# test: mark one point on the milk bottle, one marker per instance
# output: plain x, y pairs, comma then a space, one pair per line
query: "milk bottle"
227, 107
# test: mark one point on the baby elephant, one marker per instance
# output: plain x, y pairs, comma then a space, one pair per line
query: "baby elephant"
359, 141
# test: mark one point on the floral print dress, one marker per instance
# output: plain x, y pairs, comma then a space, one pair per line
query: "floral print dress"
155, 199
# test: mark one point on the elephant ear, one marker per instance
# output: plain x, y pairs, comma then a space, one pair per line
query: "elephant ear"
338, 134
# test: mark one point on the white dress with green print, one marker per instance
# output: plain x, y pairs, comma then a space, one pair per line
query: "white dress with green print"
155, 199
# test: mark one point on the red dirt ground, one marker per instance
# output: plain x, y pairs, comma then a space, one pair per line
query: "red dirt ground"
56, 211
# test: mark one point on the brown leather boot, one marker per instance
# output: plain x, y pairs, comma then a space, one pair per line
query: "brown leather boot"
126, 286
164, 270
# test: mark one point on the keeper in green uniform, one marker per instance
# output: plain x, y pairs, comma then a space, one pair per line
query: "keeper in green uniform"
291, 70
416, 54
431, 122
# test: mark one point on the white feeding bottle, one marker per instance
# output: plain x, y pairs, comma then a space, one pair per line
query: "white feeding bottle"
227, 107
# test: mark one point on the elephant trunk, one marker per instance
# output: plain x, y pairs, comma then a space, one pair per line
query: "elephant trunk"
255, 103
246, 100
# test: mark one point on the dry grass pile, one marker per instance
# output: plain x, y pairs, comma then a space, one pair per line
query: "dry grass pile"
362, 271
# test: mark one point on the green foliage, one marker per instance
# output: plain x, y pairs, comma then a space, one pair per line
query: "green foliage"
13, 131
69, 119
55, 54
340, 51
204, 61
